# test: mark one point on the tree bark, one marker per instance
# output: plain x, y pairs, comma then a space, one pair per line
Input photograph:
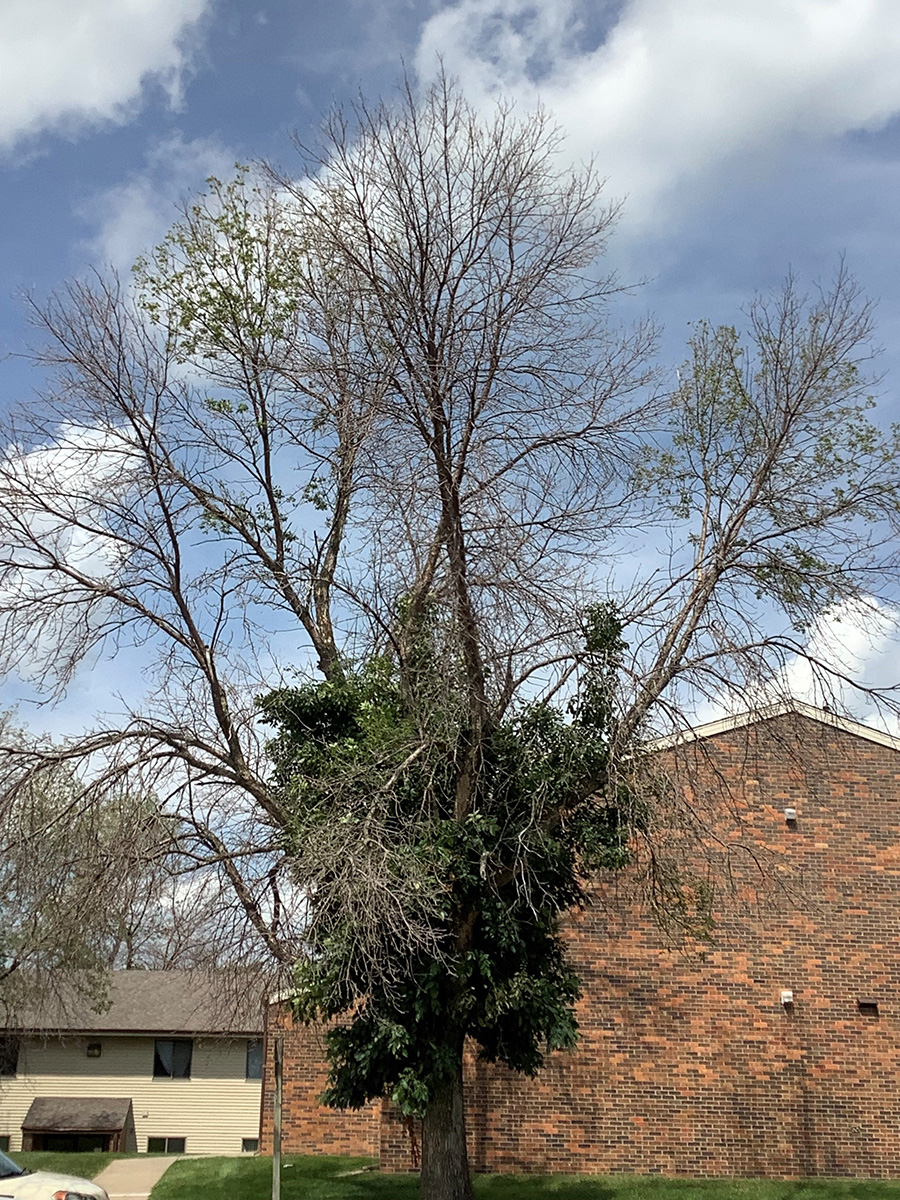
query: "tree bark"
445, 1159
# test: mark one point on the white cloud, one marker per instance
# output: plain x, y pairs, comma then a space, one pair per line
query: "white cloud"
678, 86
65, 64
851, 641
133, 216
70, 477
72, 473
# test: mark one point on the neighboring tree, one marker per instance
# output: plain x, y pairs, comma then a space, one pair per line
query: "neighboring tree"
364, 457
69, 868
92, 878
176, 917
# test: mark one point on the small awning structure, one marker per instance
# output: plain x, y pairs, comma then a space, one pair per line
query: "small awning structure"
79, 1123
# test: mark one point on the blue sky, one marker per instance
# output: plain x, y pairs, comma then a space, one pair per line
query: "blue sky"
746, 136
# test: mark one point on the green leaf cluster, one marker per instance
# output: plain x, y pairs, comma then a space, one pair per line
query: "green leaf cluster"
494, 882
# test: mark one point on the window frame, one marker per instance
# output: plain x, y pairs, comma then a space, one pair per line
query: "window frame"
258, 1046
159, 1061
166, 1147
10, 1052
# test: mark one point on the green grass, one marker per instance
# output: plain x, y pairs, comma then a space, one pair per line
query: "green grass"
86, 1165
314, 1178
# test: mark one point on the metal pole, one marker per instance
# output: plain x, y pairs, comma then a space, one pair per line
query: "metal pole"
276, 1129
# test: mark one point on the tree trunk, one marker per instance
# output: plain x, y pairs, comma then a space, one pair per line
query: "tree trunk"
445, 1160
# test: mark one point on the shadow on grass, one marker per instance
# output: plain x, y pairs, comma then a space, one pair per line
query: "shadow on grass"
632, 1187
328, 1179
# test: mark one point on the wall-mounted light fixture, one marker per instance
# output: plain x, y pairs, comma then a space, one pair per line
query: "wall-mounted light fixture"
790, 816
868, 1006
787, 999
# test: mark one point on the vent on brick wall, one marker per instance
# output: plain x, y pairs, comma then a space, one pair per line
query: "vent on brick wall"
868, 1007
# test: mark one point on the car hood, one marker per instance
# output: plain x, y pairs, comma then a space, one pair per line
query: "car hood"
40, 1185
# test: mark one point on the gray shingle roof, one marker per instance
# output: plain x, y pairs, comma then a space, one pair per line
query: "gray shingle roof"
71, 1114
177, 1002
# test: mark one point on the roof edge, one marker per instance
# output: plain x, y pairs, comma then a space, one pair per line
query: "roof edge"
145, 1031
779, 709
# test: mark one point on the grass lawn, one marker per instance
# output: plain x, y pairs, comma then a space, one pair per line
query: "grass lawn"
314, 1178
86, 1165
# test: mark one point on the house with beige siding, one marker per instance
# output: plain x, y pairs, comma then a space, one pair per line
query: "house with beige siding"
174, 1056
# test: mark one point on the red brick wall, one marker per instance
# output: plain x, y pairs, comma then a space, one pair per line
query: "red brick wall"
307, 1126
692, 1066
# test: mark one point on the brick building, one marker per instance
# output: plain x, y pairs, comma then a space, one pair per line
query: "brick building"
774, 1052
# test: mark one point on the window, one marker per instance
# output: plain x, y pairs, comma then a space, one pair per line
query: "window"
9, 1054
172, 1058
249, 1145
94, 1049
254, 1059
165, 1145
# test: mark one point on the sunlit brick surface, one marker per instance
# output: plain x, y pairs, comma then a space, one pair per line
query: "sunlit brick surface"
691, 1064
308, 1127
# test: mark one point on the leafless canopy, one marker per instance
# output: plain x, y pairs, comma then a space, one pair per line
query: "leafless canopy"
391, 377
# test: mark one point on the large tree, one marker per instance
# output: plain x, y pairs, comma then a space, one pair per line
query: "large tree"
362, 454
